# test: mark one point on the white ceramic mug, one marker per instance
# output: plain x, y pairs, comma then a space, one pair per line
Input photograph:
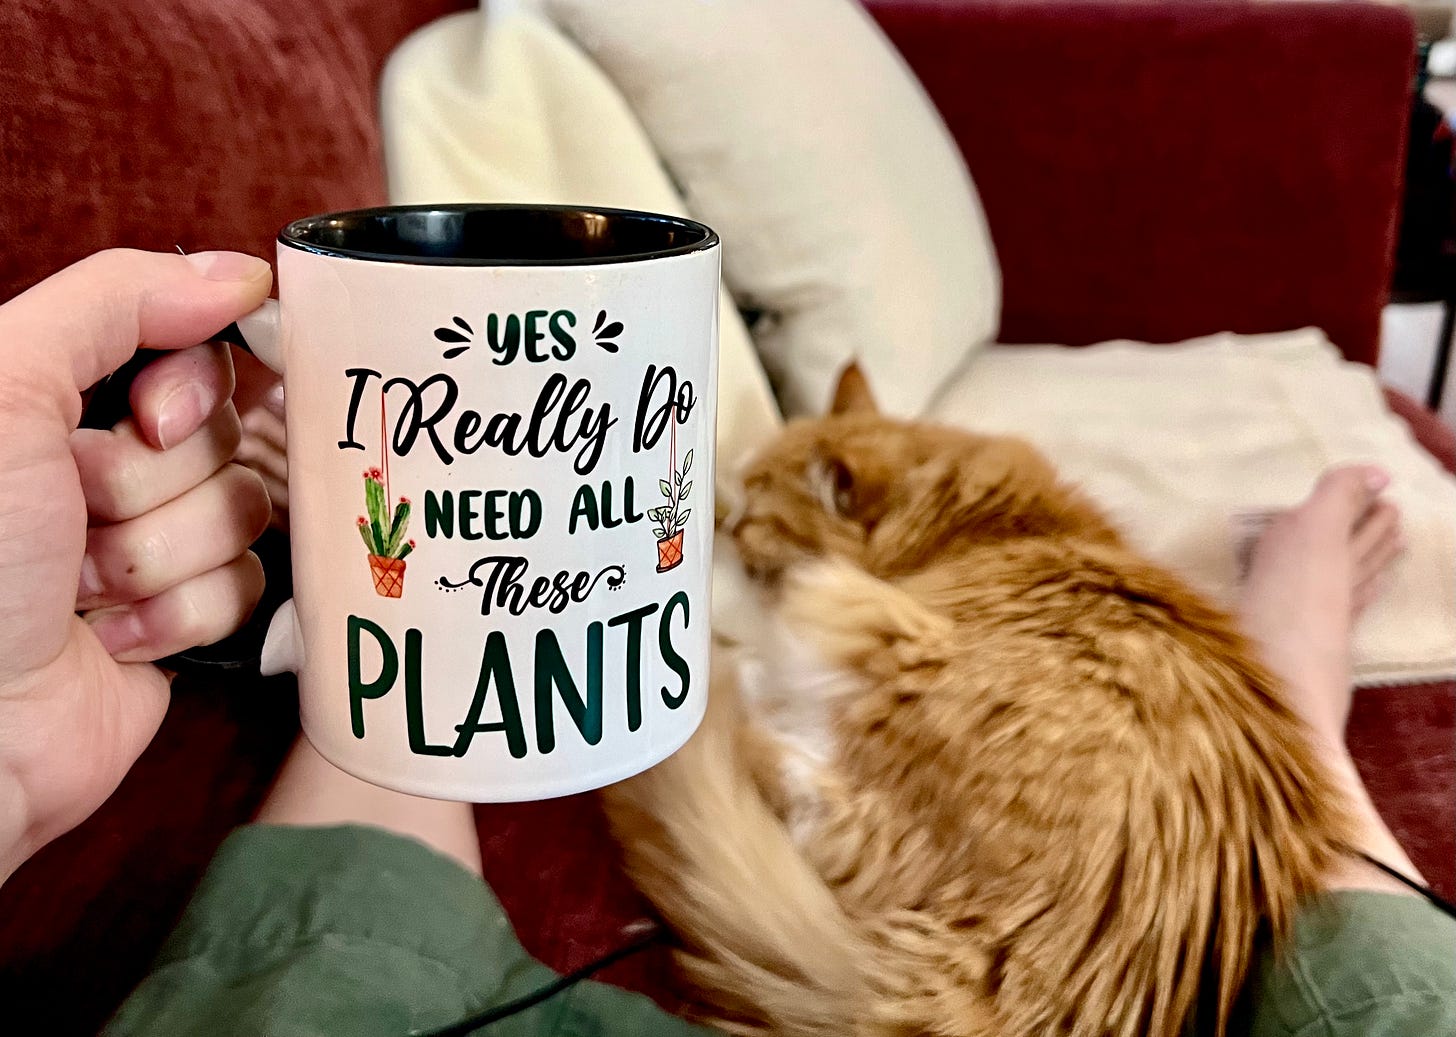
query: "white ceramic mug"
500, 450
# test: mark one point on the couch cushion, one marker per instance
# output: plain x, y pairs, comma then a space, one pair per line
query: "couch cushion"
849, 222
198, 123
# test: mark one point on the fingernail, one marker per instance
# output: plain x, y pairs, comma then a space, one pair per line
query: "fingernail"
90, 583
118, 630
274, 400
1376, 480
182, 413
228, 266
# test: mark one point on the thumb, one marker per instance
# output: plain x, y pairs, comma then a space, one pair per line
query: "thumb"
84, 322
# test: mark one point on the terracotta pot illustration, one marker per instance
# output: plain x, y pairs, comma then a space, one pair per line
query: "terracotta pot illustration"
383, 534
669, 552
388, 575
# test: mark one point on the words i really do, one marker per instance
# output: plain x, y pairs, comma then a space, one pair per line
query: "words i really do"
433, 415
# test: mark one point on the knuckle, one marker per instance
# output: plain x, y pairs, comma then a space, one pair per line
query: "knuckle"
192, 621
110, 259
121, 488
150, 560
208, 614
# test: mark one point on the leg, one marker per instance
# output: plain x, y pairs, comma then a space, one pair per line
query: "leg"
1314, 571
311, 791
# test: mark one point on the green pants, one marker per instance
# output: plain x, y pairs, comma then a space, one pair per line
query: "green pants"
354, 932
306, 932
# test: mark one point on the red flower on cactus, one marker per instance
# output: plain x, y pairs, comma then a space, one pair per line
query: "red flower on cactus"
411, 543
404, 500
374, 473
361, 520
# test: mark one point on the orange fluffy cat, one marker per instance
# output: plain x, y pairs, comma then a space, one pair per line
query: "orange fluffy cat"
985, 770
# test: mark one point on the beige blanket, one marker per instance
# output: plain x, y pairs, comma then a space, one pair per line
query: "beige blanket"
1177, 441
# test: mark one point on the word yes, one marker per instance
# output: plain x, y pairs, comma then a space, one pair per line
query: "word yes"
509, 336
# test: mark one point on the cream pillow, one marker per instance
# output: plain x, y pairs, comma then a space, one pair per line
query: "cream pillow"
794, 129
506, 109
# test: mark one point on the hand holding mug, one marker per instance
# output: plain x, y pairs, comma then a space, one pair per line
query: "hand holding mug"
116, 547
540, 379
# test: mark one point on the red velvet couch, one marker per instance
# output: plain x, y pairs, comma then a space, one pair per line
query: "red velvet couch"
1152, 170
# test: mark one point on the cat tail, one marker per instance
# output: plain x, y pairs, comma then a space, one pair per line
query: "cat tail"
762, 935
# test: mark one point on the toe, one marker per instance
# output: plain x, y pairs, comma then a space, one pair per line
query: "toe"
1343, 496
1378, 556
1380, 524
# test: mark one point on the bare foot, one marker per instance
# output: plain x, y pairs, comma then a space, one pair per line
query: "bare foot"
1314, 570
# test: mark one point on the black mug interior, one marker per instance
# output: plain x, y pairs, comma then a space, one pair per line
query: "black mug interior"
497, 235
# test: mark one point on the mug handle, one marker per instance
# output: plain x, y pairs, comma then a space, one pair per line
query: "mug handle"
256, 333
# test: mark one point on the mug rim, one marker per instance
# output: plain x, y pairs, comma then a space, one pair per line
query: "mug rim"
292, 235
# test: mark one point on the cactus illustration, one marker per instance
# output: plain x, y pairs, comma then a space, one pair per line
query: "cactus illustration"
384, 535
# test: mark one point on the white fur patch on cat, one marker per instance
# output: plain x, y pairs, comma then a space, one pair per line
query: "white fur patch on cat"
789, 689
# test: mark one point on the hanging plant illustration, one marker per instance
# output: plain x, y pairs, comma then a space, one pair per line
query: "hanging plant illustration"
672, 517
384, 535
384, 532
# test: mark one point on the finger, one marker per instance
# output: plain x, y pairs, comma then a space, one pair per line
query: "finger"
278, 498
262, 459
266, 426
173, 395
123, 477
255, 380
261, 455
82, 323
198, 531
200, 611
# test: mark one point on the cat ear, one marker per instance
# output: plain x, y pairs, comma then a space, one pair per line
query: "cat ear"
852, 395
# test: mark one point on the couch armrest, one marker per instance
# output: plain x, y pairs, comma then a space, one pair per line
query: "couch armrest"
1157, 170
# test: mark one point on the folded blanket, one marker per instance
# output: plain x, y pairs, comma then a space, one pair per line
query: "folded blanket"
1178, 442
